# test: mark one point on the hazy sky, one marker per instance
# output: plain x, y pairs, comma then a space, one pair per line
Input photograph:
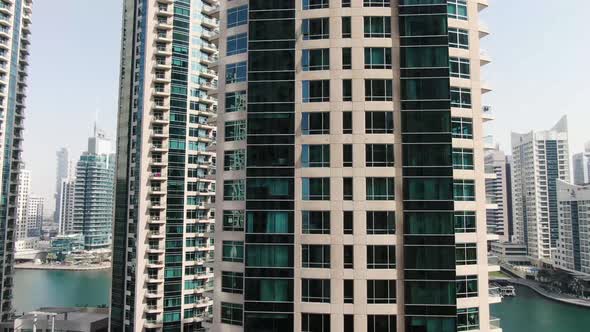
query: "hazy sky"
540, 71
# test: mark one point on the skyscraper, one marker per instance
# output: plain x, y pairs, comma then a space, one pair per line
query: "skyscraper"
581, 165
66, 206
163, 185
498, 190
572, 250
15, 31
539, 160
62, 172
34, 216
94, 193
352, 192
22, 200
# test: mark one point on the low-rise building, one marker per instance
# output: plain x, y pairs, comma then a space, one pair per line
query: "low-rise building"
510, 253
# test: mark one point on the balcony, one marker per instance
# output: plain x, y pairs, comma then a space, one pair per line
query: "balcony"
487, 114
485, 87
484, 58
484, 31
165, 11
495, 295
212, 10
210, 23
482, 4
155, 264
493, 264
152, 309
495, 325
156, 220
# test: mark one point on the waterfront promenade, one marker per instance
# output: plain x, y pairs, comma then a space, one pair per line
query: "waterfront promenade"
32, 266
564, 298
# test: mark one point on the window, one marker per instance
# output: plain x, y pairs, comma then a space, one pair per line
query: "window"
467, 319
237, 16
237, 44
316, 189
466, 253
233, 190
460, 67
315, 28
348, 222
462, 128
231, 313
316, 91
462, 158
381, 323
235, 72
348, 291
346, 27
315, 59
315, 322
347, 155
233, 251
378, 90
377, 26
464, 190
346, 123
345, 4
235, 101
380, 222
347, 90
346, 58
381, 257
457, 9
316, 123
315, 290
379, 122
315, 4
316, 222
269, 222
348, 257
460, 97
232, 282
269, 256
378, 58
380, 291
466, 286
458, 38
465, 222
315, 155
376, 3
315, 256
234, 160
233, 220
379, 155
347, 189
380, 189
235, 130
348, 323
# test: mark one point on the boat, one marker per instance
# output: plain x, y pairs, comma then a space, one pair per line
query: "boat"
508, 291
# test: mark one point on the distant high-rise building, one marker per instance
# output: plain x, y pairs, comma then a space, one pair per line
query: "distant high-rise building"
34, 216
22, 200
94, 193
498, 190
62, 172
573, 245
539, 160
351, 185
66, 206
164, 165
14, 53
581, 166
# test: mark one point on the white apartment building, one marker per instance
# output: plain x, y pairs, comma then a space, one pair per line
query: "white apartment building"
573, 246
352, 192
581, 166
62, 172
65, 213
540, 159
34, 216
165, 182
499, 194
22, 201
